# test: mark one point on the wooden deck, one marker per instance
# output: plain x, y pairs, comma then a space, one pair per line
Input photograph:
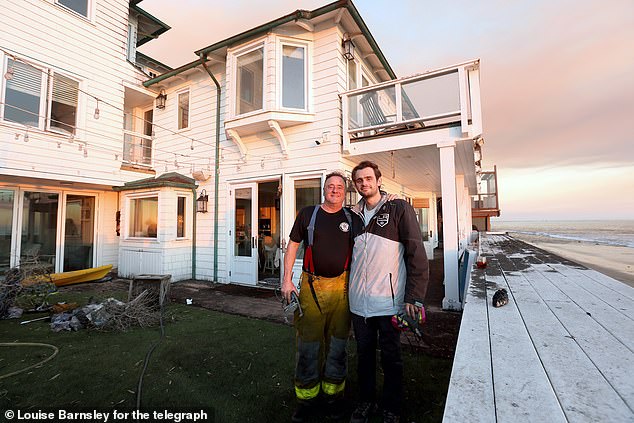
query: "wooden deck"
561, 350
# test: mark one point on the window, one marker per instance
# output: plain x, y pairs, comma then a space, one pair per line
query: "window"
77, 6
23, 94
131, 47
143, 217
180, 222
31, 99
63, 106
183, 110
294, 77
250, 81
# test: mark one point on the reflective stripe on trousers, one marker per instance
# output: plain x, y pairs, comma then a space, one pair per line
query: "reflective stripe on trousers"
321, 359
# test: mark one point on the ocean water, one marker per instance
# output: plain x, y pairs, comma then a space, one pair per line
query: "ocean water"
608, 232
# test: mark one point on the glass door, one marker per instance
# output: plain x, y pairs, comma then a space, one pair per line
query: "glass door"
79, 227
305, 190
6, 229
39, 228
243, 234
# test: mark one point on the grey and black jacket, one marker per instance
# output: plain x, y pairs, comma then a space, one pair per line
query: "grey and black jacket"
389, 264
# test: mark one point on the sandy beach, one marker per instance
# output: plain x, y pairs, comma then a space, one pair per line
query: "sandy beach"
616, 262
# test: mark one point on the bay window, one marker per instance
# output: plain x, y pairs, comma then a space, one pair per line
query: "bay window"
250, 81
294, 72
143, 217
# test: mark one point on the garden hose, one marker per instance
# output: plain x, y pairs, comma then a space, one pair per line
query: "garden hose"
148, 355
29, 344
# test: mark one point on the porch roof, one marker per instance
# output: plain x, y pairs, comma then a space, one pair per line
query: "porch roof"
171, 179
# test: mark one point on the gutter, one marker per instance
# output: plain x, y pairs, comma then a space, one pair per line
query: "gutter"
203, 60
298, 14
194, 234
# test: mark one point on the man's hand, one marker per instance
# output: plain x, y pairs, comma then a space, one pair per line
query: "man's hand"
391, 197
412, 310
288, 287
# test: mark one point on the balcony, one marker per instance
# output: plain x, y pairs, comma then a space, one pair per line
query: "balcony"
137, 149
485, 203
437, 106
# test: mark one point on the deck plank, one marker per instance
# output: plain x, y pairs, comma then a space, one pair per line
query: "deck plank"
470, 395
562, 349
522, 389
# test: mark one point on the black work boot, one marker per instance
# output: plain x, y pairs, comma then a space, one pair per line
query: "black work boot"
362, 413
302, 411
389, 417
337, 409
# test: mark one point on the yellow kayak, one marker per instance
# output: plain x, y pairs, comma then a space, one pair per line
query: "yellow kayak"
73, 277
78, 276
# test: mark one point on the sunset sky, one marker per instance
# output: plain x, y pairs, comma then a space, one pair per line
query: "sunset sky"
557, 84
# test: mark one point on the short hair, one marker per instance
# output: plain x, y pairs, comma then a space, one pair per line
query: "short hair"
363, 165
339, 174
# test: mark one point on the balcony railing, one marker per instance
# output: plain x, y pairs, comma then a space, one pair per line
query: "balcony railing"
441, 98
137, 148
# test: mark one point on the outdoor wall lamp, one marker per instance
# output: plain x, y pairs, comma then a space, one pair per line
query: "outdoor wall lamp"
201, 202
351, 194
160, 100
348, 47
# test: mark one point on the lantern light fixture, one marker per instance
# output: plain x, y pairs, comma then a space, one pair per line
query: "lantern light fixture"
160, 100
348, 47
201, 202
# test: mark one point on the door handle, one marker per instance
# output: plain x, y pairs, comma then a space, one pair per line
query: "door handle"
252, 242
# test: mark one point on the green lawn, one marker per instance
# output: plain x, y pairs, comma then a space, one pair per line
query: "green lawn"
240, 368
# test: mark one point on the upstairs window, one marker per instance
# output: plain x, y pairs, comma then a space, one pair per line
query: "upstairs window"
23, 94
34, 100
294, 72
63, 105
250, 81
183, 110
77, 6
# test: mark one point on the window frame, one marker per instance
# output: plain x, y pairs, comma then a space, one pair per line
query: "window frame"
49, 105
45, 98
189, 106
282, 42
185, 198
128, 215
249, 48
89, 9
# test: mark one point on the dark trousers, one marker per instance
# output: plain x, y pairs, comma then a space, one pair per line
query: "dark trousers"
366, 331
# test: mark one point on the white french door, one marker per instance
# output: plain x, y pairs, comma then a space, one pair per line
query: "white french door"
243, 233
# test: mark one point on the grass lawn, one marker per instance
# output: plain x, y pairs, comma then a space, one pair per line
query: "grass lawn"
238, 368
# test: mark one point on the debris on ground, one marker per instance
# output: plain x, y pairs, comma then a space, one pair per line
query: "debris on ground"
110, 314
27, 287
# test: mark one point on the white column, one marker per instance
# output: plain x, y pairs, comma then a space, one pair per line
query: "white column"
450, 226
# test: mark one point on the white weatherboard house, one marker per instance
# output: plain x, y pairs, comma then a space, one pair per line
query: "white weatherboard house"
249, 129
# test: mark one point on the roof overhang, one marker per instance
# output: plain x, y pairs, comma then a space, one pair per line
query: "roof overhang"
299, 15
170, 180
149, 27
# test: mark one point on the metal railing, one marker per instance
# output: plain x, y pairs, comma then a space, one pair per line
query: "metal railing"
448, 96
137, 148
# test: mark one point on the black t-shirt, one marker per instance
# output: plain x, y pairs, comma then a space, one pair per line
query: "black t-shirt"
331, 239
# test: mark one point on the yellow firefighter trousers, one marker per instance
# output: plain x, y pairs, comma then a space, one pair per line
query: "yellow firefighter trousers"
322, 333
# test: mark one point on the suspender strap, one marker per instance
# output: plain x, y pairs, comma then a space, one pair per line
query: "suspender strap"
309, 265
349, 218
